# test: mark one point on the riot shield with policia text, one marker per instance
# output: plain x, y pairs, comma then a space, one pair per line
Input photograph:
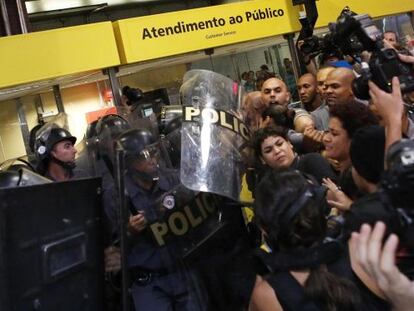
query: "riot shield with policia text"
190, 230
214, 140
186, 219
206, 234
213, 134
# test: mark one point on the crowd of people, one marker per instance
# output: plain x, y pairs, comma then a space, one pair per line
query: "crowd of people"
319, 209
252, 81
341, 155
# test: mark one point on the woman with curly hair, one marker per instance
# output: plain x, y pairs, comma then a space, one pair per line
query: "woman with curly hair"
345, 119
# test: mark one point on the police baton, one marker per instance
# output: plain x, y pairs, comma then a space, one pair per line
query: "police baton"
122, 218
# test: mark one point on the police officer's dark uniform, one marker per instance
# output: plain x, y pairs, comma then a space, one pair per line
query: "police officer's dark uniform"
154, 273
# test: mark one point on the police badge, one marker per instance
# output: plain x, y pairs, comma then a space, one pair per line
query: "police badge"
168, 201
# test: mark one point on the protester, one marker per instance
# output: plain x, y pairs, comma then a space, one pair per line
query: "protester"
339, 86
312, 101
274, 150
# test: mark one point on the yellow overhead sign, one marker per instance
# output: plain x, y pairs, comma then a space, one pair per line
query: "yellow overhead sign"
54, 53
179, 32
330, 9
167, 34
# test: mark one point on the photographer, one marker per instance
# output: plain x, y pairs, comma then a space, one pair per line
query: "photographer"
391, 40
409, 97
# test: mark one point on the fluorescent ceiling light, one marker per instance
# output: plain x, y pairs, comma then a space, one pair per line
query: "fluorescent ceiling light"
53, 5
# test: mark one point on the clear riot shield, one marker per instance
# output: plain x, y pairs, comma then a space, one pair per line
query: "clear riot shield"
60, 119
171, 145
87, 155
213, 134
107, 130
170, 127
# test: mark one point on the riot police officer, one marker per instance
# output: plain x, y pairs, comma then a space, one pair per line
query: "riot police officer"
55, 151
157, 283
107, 130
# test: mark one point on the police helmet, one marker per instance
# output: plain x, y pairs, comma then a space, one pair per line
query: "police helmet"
136, 141
91, 130
138, 144
107, 131
32, 136
22, 176
9, 179
112, 122
401, 153
49, 138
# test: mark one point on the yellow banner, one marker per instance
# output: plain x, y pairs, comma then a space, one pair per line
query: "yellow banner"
330, 9
179, 32
167, 34
54, 53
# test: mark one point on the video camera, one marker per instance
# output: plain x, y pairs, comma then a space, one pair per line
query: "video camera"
138, 101
353, 34
314, 46
398, 181
396, 192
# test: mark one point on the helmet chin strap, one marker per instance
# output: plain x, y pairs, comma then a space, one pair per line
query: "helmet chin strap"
68, 166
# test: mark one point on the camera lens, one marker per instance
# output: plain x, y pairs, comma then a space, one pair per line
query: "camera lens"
310, 45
